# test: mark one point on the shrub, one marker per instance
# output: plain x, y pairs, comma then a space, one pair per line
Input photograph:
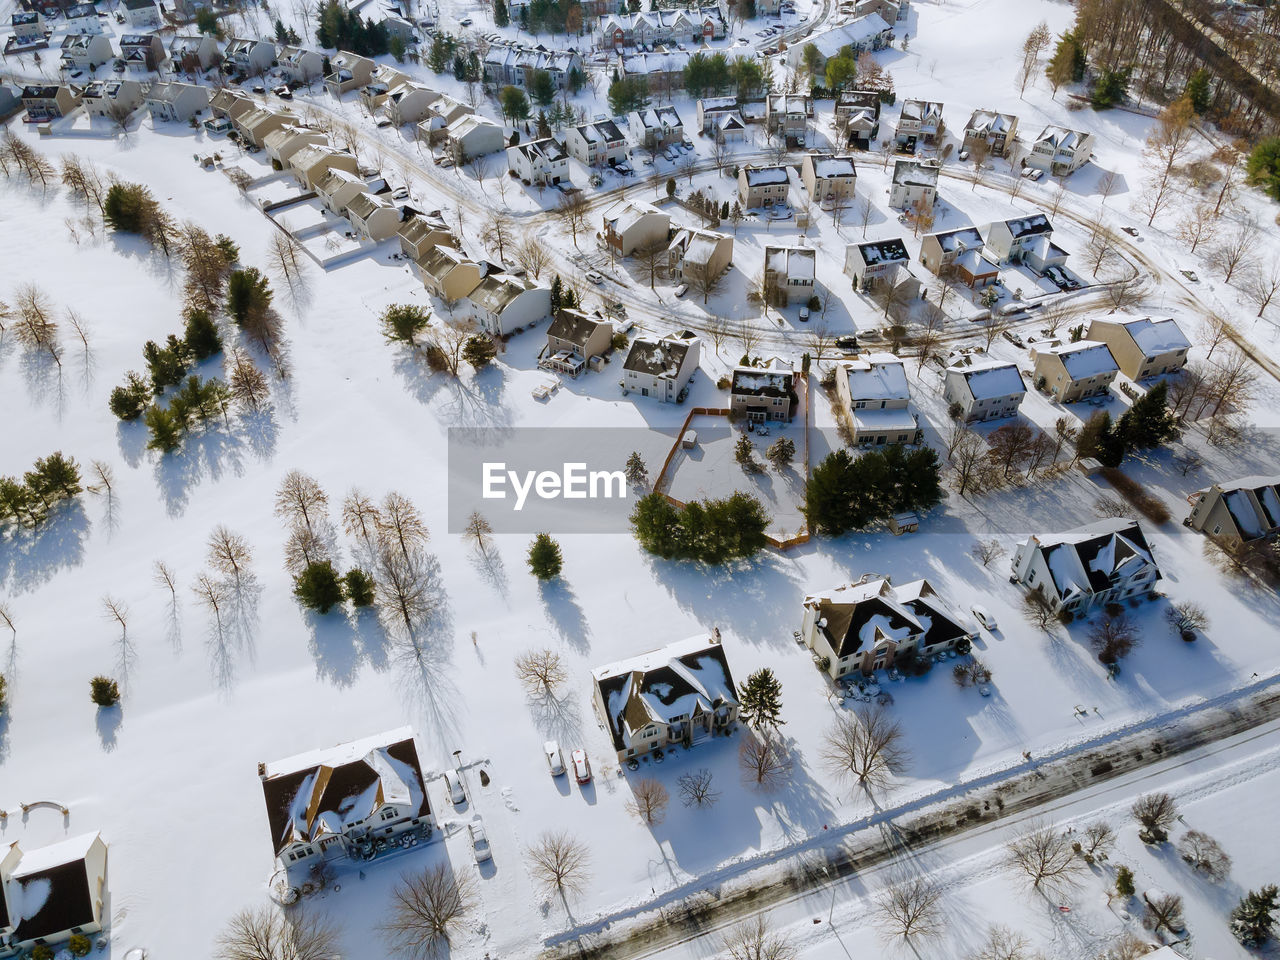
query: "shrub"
42, 951
723, 383
318, 587
3, 693
815, 303
1149, 506
1124, 881
712, 531
360, 587
79, 945
104, 691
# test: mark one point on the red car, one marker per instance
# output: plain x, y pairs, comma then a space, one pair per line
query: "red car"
581, 768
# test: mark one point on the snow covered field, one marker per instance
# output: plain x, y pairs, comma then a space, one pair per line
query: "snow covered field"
170, 779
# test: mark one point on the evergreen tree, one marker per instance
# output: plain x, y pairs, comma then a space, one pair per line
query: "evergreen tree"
1092, 435
1197, 91
542, 88
200, 334
168, 364
360, 587
515, 105
545, 560
500, 16
1124, 881
744, 451
1149, 422
207, 22
479, 351
826, 502
760, 700
1263, 166
318, 587
403, 322
396, 47
282, 35
1253, 919
127, 207
637, 472
248, 294
166, 429
543, 125
656, 524
557, 292
104, 691
54, 477
131, 398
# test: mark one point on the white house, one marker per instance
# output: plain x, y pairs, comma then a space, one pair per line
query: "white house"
919, 122
873, 389
655, 127
596, 144
915, 185
865, 33
997, 130
85, 51
1060, 151
872, 625
828, 177
630, 225
711, 112
542, 162
140, 14
874, 263
661, 368
985, 389
790, 274
194, 53
681, 694
473, 136
1078, 571
1022, 239
345, 801
114, 99
300, 65
250, 57
28, 27
83, 18
177, 102
51, 893
504, 303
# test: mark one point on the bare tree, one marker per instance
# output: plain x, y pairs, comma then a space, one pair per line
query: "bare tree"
425, 908
1186, 619
561, 861
1198, 225
1129, 946
572, 210
106, 477
979, 150
499, 232
1101, 248
1238, 250
247, 383
985, 551
479, 531
866, 209
866, 747
652, 261
696, 790
754, 940
7, 619
1113, 637
1107, 184
400, 526
1126, 292
649, 801
285, 257
303, 548
1096, 841
541, 671
1156, 812
449, 341
910, 909
1215, 331
404, 588
748, 336
361, 518
763, 761
1002, 943
118, 612
263, 933
532, 254
301, 500
229, 554
819, 341
1164, 911
1205, 854
718, 330
1037, 610
1045, 855
164, 577
1262, 285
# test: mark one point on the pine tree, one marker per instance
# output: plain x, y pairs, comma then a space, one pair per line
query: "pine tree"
1253, 919
1149, 422
656, 524
545, 560
318, 586
360, 587
1124, 882
166, 429
781, 452
1197, 91
479, 351
500, 16
760, 700
131, 398
104, 691
557, 294
201, 335
637, 472
54, 477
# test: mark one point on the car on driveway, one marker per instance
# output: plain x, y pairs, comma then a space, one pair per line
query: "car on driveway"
594, 277
283, 92
555, 759
983, 616
1190, 275
453, 784
581, 766
1131, 231
479, 841
682, 290
465, 22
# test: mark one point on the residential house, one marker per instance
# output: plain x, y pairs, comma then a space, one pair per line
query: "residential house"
140, 14
789, 113
448, 273
229, 105
790, 274
448, 110
348, 72
1059, 151
142, 52
862, 34
345, 801
407, 103
873, 625
193, 54
250, 57
996, 129
337, 188
1074, 371
958, 254
255, 125
1086, 568
50, 894
373, 215
891, 11
873, 389
596, 144
311, 163
697, 257
574, 340
299, 65
655, 127
473, 136
283, 143
630, 225
85, 51
661, 368
875, 263
663, 70
758, 394
661, 27
919, 122
1239, 511
914, 186
514, 63
713, 111
857, 115
28, 27
1142, 347
385, 78
682, 694
175, 101
985, 389
113, 99
1023, 240
828, 178
504, 303
83, 18
423, 231
542, 162
762, 186
47, 101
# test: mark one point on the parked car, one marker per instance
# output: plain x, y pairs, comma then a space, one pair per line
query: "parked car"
983, 616
962, 155
1035, 174
453, 784
581, 766
283, 92
682, 290
479, 841
847, 343
1190, 275
401, 193
465, 22
1131, 231
555, 759
595, 277
804, 314
258, 88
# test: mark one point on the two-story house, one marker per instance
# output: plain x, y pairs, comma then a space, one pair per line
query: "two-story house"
473, 136
1142, 347
655, 127
1027, 240
873, 390
28, 27
696, 257
299, 65
84, 51
828, 178
46, 101
875, 263
914, 185
630, 225
142, 52
50, 894
1060, 151
759, 394
788, 114
661, 368
574, 340
1074, 371
872, 625
176, 102
228, 104
864, 33
448, 273
373, 215
712, 112
336, 188
985, 389
790, 274
958, 254
997, 130
113, 99
256, 125
1237, 511
857, 117
596, 144
407, 102
681, 694
1086, 568
347, 72
422, 232
919, 122
762, 186
312, 162
504, 303
140, 14
83, 18
283, 143
194, 53
250, 57
540, 163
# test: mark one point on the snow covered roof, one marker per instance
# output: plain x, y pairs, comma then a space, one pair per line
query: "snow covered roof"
877, 376
327, 791
987, 122
975, 264
759, 176
1152, 336
497, 291
576, 327
1097, 556
548, 148
892, 250
670, 61
660, 358
1060, 138
626, 213
864, 616
988, 379
1254, 505
654, 118
794, 263
1036, 223
827, 167
600, 131
1084, 358
712, 104
774, 380
853, 34
925, 111
679, 680
790, 103
915, 173
964, 238
50, 890
698, 246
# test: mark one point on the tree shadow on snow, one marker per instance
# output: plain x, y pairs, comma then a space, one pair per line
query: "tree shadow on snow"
31, 556
565, 613
333, 646
109, 721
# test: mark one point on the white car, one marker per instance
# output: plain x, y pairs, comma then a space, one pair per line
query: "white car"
596, 278
479, 841
453, 784
581, 767
983, 616
555, 759
682, 290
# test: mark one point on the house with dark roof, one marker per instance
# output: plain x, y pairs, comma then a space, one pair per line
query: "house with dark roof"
115, 99
142, 52
997, 130
44, 102
661, 368
251, 56
872, 625
857, 117
84, 51
984, 389
83, 18
764, 393
1074, 371
1237, 511
681, 694
1060, 151
140, 14
542, 162
1024, 240
596, 144
1088, 567
574, 339
958, 253
28, 28
51, 893
875, 263
350, 800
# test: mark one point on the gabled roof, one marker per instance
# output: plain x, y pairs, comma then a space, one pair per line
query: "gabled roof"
622, 215
52, 890
497, 291
1152, 336
925, 111
877, 376
600, 131
990, 122
915, 173
799, 263
418, 227
660, 358
1031, 225
576, 327
364, 204
891, 250
854, 33
863, 616
760, 176
1060, 138
988, 379
960, 239
1097, 556
1084, 358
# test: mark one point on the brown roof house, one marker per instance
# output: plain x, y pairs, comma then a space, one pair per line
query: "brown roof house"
311, 163
352, 800
681, 694
1239, 511
51, 893
1142, 347
661, 368
958, 254
1074, 371
574, 340
421, 232
764, 393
